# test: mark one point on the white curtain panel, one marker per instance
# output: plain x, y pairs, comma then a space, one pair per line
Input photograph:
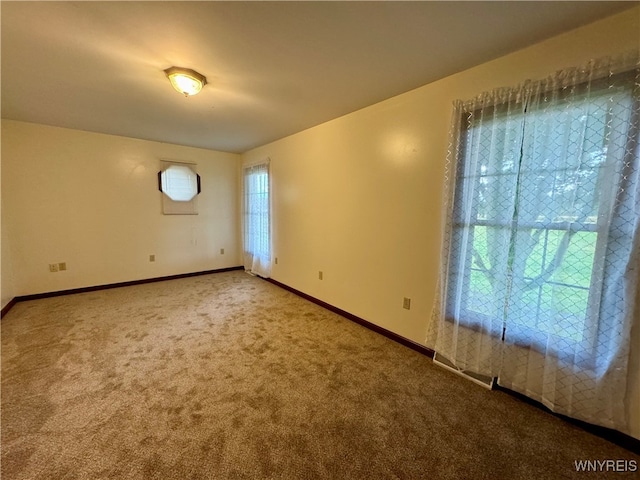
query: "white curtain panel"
541, 250
257, 220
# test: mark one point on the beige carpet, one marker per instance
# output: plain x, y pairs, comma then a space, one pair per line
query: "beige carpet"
228, 376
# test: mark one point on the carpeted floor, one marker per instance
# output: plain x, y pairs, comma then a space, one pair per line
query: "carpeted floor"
228, 376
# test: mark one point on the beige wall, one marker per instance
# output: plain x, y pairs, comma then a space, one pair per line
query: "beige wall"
359, 197
92, 201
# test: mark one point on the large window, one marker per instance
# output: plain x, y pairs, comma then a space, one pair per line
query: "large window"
534, 211
541, 247
257, 220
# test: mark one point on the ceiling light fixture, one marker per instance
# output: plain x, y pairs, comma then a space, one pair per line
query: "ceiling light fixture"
186, 81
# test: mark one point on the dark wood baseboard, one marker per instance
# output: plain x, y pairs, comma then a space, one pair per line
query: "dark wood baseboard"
361, 321
614, 436
37, 296
8, 307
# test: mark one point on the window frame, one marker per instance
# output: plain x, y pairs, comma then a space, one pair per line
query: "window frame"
171, 206
460, 282
254, 233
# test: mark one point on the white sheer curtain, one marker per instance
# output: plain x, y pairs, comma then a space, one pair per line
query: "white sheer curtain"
257, 220
541, 247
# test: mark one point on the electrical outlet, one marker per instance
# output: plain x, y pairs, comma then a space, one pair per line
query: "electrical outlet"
406, 303
320, 275
62, 266
222, 251
276, 260
53, 267
152, 258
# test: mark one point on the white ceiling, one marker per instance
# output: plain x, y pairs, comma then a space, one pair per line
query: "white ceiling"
274, 68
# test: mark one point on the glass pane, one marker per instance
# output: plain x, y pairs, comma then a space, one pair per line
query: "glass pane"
480, 297
577, 265
179, 183
529, 305
563, 311
256, 212
564, 154
535, 260
491, 160
486, 263
490, 247
493, 144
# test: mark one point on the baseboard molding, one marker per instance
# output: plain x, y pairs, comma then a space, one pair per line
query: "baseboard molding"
361, 321
614, 436
8, 307
58, 293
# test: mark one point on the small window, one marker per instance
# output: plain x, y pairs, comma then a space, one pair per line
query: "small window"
180, 186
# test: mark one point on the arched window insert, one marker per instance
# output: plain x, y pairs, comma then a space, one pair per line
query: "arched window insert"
180, 186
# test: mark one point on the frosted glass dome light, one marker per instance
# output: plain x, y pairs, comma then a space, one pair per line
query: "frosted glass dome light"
186, 81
